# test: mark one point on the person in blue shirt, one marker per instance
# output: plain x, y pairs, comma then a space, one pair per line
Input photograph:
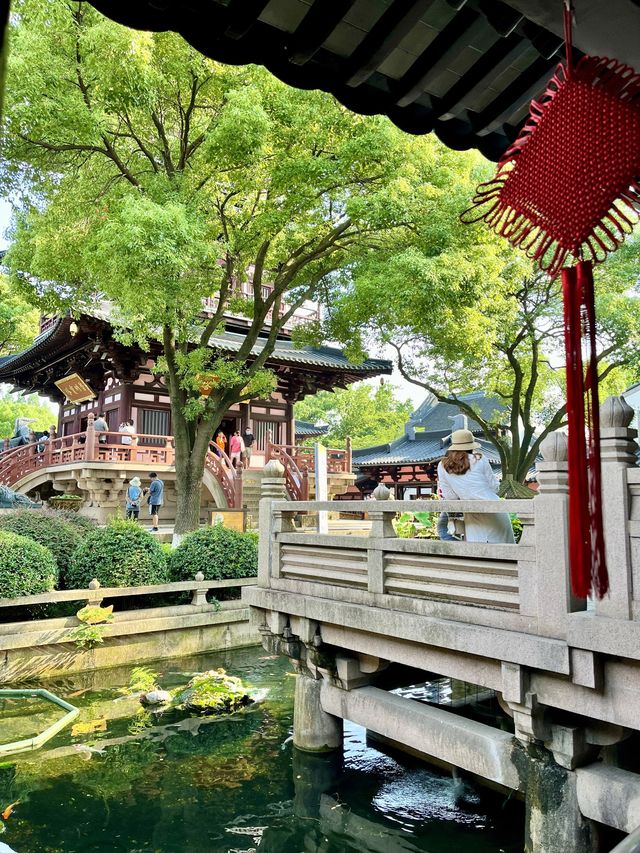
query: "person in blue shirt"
155, 499
134, 498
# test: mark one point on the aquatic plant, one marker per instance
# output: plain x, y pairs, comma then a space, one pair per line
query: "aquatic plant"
215, 692
142, 680
94, 621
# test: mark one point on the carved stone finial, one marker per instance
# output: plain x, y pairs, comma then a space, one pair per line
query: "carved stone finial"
274, 469
554, 447
94, 584
199, 576
615, 412
381, 493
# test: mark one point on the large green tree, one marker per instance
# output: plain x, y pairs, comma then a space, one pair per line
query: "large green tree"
368, 415
507, 342
153, 178
18, 319
32, 407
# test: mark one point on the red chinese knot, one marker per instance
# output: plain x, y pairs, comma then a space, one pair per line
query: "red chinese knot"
568, 186
568, 191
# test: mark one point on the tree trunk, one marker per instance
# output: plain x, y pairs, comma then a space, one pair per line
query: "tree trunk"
189, 474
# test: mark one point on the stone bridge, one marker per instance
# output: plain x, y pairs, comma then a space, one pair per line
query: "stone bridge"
352, 611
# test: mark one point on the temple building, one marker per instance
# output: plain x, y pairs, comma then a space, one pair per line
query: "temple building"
409, 464
84, 353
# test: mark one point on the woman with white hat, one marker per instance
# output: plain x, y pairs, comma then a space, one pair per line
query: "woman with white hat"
134, 498
467, 476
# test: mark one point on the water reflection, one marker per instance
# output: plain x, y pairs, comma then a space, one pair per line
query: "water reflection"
170, 783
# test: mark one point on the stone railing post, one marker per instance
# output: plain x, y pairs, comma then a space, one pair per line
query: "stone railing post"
552, 582
381, 528
272, 488
618, 450
91, 440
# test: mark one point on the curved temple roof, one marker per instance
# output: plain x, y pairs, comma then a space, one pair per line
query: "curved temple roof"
464, 69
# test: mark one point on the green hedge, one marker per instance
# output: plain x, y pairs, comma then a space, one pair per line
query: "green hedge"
79, 522
26, 568
56, 534
120, 554
216, 552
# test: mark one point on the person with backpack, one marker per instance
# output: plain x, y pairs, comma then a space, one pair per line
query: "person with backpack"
134, 498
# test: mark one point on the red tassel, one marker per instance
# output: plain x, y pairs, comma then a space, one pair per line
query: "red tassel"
586, 536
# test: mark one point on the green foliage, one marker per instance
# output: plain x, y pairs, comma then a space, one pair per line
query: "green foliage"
516, 525
120, 554
13, 406
60, 537
140, 176
88, 636
370, 414
94, 621
142, 680
18, 320
26, 568
215, 692
80, 523
488, 321
417, 525
95, 615
217, 552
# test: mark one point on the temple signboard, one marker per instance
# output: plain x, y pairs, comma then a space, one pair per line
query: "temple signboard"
75, 389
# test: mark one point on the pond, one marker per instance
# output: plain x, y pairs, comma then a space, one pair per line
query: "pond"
126, 781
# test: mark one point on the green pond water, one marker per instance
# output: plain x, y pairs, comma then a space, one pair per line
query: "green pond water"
169, 783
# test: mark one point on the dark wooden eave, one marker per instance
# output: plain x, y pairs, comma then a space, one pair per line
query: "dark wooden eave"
95, 353
464, 69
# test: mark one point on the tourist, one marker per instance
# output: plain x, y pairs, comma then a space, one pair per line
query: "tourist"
467, 476
100, 426
43, 440
248, 447
155, 499
221, 441
236, 446
128, 431
134, 497
443, 528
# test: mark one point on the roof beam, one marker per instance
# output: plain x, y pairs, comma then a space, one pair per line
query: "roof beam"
385, 36
316, 26
431, 61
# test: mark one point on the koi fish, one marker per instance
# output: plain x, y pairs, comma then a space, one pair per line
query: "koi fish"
6, 814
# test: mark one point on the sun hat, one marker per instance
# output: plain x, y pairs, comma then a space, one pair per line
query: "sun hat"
462, 439
134, 481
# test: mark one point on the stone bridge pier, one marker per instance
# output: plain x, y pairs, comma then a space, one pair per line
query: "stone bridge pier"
356, 614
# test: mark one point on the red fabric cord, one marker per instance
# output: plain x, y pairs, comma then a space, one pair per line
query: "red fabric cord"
586, 538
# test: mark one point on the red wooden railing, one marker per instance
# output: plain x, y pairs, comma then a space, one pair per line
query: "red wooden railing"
299, 462
145, 449
229, 478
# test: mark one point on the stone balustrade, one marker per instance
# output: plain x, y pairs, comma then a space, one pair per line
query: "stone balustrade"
346, 609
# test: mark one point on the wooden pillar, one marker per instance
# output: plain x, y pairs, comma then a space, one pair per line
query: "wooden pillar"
91, 442
349, 464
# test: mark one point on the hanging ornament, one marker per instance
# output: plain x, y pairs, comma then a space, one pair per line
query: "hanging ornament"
568, 192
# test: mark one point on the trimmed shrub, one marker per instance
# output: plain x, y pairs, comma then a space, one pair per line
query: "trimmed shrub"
120, 554
26, 568
217, 552
79, 522
56, 534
